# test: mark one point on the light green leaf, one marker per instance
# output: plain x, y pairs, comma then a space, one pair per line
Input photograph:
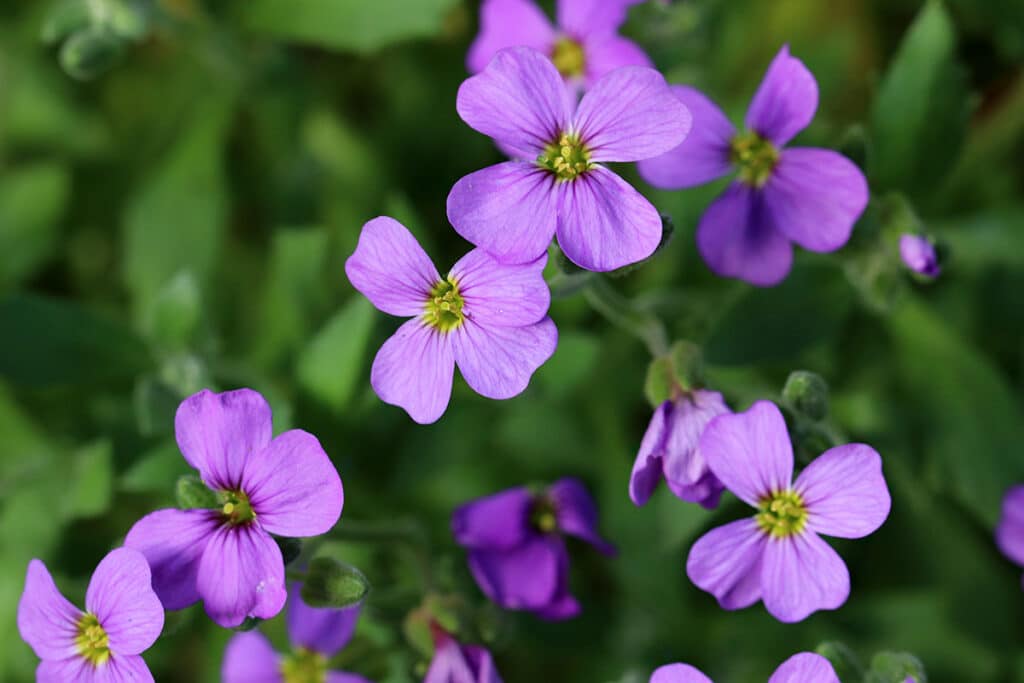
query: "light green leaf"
92, 481
331, 366
32, 201
156, 470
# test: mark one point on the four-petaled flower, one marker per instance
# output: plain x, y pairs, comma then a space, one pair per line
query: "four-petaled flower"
284, 485
670, 450
777, 555
457, 663
918, 254
805, 667
489, 318
516, 550
559, 183
805, 195
584, 46
123, 618
316, 635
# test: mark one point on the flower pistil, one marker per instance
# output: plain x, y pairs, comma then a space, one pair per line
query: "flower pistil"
568, 158
782, 514
92, 640
304, 666
444, 307
236, 508
568, 57
756, 158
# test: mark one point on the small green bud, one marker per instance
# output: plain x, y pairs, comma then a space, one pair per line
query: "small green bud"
192, 493
895, 667
89, 52
330, 583
807, 394
847, 665
291, 548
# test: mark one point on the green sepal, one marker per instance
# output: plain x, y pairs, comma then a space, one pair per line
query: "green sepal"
895, 667
191, 493
90, 51
681, 369
334, 584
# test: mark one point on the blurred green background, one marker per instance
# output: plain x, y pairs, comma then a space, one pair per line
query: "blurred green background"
180, 186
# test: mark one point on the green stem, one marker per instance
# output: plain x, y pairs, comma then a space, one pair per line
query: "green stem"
624, 313
405, 532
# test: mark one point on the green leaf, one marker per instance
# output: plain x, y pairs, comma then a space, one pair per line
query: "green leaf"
331, 366
32, 201
573, 363
330, 583
155, 471
92, 483
52, 342
920, 116
175, 312
354, 25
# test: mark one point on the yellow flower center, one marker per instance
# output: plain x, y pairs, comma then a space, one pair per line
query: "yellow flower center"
444, 307
543, 516
304, 666
92, 641
568, 57
568, 158
756, 158
236, 508
782, 514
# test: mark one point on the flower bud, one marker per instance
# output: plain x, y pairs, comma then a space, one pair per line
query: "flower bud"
807, 394
895, 667
89, 52
334, 584
847, 665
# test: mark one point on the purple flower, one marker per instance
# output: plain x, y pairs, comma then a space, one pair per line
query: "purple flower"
777, 555
809, 196
455, 663
226, 557
1010, 530
805, 667
516, 550
583, 47
670, 450
918, 254
316, 634
122, 619
490, 319
559, 184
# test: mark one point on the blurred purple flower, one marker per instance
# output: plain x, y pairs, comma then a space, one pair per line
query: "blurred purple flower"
517, 553
559, 184
584, 46
1010, 530
123, 618
226, 557
490, 319
805, 667
316, 635
805, 195
670, 451
456, 663
918, 254
777, 555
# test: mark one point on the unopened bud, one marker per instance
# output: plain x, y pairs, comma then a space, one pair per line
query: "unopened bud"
334, 584
89, 52
895, 667
807, 394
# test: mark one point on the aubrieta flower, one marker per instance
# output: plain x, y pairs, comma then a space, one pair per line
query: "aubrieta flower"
918, 254
316, 635
805, 195
584, 46
1010, 530
778, 555
558, 184
489, 318
517, 552
670, 450
123, 617
457, 663
226, 557
805, 667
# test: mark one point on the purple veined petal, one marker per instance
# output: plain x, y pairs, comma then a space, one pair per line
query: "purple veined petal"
47, 621
74, 669
218, 432
519, 100
647, 468
449, 665
345, 677
320, 629
173, 542
510, 210
1010, 530
294, 487
607, 52
802, 574
726, 562
481, 663
631, 114
121, 597
679, 673
126, 669
604, 223
414, 370
690, 415
576, 513
705, 153
498, 294
498, 362
845, 492
497, 522
241, 575
918, 254
750, 452
390, 268
583, 18
525, 577
786, 100
805, 667
249, 658
815, 197
737, 238
508, 23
